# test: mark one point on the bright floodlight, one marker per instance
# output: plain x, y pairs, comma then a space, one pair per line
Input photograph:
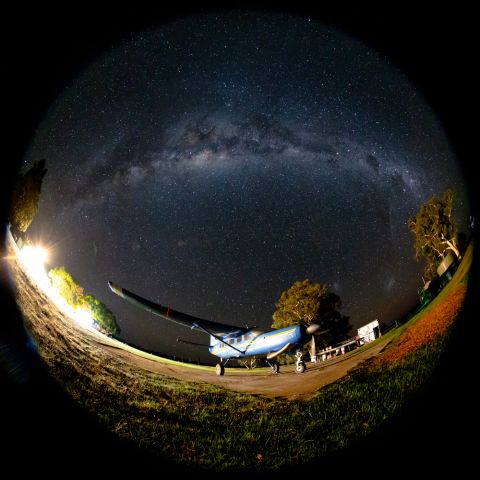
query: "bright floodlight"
33, 259
83, 317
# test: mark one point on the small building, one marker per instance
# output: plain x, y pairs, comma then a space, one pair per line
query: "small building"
369, 332
330, 352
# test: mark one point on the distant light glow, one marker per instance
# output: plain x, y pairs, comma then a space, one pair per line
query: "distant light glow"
83, 316
33, 259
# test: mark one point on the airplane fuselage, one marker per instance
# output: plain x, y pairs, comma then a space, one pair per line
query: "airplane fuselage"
256, 342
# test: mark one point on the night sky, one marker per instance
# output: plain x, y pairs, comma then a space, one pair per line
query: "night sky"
210, 163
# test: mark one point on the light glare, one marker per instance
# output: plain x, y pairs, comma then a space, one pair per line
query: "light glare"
33, 259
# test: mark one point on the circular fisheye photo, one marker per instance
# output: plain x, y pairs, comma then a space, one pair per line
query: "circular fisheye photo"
240, 240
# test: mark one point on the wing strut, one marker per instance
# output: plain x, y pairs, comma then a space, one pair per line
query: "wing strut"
218, 338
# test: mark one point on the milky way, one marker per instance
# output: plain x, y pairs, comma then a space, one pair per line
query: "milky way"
210, 163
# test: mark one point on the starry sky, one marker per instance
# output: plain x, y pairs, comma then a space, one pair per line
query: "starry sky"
211, 162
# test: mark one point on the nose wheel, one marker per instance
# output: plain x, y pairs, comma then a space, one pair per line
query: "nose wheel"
219, 369
300, 366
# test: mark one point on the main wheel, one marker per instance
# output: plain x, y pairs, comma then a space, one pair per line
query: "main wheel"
300, 367
275, 367
219, 369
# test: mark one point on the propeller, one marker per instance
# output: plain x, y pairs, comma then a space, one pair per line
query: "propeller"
313, 329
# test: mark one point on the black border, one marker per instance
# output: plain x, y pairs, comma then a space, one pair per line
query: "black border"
46, 47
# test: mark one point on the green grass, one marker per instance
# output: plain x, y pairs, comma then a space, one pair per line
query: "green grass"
460, 277
203, 425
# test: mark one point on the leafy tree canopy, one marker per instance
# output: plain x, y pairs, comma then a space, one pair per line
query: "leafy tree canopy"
25, 197
75, 296
102, 315
67, 287
307, 302
435, 232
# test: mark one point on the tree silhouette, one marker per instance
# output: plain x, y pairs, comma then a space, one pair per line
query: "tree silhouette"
25, 197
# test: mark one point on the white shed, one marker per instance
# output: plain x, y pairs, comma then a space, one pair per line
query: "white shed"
369, 332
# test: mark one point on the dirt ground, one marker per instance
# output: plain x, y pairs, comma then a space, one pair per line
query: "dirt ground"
286, 383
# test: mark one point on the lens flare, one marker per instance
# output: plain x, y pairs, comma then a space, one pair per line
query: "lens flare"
33, 259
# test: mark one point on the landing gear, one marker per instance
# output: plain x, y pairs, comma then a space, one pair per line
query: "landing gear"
300, 366
220, 367
275, 366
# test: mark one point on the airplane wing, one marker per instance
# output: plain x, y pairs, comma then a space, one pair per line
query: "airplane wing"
194, 323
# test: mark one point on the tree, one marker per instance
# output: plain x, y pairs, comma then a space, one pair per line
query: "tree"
102, 315
307, 302
75, 296
25, 197
435, 232
67, 287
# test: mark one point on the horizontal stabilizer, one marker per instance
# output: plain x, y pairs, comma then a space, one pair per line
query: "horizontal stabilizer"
188, 342
286, 347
